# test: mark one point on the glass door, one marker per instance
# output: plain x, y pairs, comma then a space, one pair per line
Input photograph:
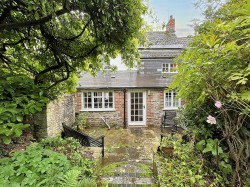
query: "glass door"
137, 108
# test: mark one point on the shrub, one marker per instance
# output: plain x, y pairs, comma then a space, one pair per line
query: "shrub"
70, 148
48, 163
186, 168
33, 167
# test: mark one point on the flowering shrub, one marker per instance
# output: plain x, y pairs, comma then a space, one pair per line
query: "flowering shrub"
213, 77
211, 119
218, 104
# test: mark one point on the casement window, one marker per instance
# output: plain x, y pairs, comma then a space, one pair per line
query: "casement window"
170, 100
169, 68
98, 100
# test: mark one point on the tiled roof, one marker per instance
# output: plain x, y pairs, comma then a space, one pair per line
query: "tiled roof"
163, 44
122, 79
163, 39
160, 53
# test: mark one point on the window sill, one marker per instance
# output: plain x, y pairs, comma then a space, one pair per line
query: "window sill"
173, 108
169, 72
98, 110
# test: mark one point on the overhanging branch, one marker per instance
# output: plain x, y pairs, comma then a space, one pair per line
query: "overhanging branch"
83, 30
9, 26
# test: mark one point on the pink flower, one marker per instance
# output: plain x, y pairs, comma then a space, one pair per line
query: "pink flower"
211, 120
218, 104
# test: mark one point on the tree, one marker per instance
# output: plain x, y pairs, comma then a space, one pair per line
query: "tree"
50, 42
213, 77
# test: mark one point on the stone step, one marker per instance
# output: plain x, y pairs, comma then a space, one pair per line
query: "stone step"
134, 174
131, 185
128, 180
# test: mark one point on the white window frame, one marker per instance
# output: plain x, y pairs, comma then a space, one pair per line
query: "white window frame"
167, 68
172, 107
93, 103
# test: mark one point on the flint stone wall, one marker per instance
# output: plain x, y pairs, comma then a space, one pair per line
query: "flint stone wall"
48, 123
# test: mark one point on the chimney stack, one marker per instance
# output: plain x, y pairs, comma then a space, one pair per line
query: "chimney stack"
170, 27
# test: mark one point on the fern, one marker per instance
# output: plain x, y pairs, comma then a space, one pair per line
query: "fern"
87, 182
70, 178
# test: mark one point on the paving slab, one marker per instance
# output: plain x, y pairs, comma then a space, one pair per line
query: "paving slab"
128, 155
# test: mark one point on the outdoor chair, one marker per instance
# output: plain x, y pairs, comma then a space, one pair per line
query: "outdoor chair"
168, 122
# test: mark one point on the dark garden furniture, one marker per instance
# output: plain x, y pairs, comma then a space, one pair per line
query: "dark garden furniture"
168, 121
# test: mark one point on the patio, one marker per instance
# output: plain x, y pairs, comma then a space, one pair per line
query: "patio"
128, 155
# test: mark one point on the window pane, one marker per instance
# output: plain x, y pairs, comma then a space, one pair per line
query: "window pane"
175, 100
168, 99
108, 100
165, 67
97, 99
136, 118
173, 68
87, 100
132, 118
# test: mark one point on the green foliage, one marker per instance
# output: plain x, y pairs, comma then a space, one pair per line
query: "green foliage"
19, 97
168, 140
71, 179
81, 121
49, 163
33, 167
71, 148
52, 40
186, 168
45, 44
215, 67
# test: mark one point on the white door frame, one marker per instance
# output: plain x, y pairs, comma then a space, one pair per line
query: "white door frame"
137, 123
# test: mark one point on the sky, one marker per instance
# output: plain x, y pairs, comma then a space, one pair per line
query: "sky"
182, 10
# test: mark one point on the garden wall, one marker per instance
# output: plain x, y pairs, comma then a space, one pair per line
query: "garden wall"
48, 123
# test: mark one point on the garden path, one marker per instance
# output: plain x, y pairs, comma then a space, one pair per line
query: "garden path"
128, 159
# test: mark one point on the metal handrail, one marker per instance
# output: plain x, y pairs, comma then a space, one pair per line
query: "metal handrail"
85, 140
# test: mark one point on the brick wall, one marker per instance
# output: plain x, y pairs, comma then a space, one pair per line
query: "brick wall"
154, 98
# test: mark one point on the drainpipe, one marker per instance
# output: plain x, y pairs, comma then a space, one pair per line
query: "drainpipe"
124, 114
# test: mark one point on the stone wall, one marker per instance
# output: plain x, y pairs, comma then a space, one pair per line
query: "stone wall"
155, 105
97, 118
48, 123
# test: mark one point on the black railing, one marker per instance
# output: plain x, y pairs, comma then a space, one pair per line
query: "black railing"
85, 140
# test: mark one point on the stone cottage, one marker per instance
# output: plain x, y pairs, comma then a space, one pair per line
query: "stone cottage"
135, 97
